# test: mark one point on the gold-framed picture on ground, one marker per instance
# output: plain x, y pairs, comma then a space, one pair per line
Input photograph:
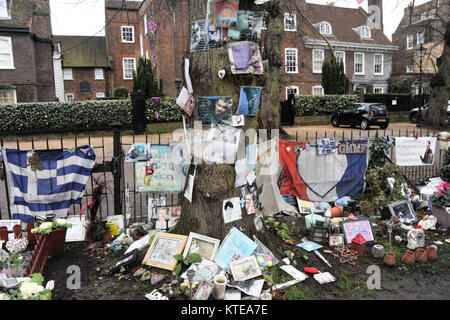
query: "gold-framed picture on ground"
164, 246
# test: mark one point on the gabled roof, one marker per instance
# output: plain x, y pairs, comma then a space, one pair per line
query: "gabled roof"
84, 51
117, 4
344, 22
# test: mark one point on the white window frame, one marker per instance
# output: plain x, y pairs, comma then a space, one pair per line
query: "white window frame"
409, 41
66, 75
365, 33
420, 38
145, 24
123, 67
7, 43
410, 68
141, 44
317, 87
100, 95
375, 64
290, 16
295, 88
98, 75
67, 95
314, 60
7, 13
343, 59
122, 34
328, 29
14, 94
294, 52
380, 89
362, 63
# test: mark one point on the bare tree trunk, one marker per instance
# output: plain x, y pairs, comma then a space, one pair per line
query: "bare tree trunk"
440, 85
215, 183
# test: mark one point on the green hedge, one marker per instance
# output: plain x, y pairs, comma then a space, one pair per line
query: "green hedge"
79, 114
308, 105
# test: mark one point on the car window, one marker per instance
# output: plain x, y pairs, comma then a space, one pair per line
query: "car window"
350, 108
378, 107
361, 108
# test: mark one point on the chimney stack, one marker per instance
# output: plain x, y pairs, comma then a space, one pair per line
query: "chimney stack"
379, 4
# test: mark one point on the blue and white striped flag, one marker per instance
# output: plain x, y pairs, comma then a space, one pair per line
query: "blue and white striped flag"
44, 182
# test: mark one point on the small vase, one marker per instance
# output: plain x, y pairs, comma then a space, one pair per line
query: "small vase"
431, 253
389, 259
421, 255
378, 251
55, 242
409, 258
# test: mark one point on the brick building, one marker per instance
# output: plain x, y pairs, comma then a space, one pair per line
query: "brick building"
124, 35
26, 51
86, 68
423, 24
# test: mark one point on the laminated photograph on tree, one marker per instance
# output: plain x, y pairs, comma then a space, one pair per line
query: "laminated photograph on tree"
249, 101
249, 26
232, 210
214, 111
226, 14
245, 58
205, 36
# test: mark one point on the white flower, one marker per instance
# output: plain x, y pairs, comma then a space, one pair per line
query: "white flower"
45, 226
30, 289
4, 296
50, 285
61, 222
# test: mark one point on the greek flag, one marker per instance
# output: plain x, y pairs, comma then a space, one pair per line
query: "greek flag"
44, 182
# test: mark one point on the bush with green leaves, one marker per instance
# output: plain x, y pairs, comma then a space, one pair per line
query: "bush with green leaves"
308, 105
48, 116
122, 93
193, 257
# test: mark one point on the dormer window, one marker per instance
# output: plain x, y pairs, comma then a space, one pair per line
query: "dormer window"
364, 31
325, 28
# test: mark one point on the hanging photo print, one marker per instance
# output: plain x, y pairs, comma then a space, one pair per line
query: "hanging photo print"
415, 152
249, 100
245, 58
137, 152
157, 174
205, 36
232, 210
249, 26
226, 14
186, 101
190, 183
215, 110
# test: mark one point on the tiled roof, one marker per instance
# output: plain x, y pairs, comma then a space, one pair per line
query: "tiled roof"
117, 4
343, 22
84, 51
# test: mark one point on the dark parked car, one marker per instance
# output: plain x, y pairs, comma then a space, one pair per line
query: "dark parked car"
414, 113
363, 115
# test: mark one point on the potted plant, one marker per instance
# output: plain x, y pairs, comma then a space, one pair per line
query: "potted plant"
440, 201
56, 235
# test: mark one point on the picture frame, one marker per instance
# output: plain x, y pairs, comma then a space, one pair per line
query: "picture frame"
305, 207
351, 228
164, 246
245, 269
207, 246
336, 240
398, 209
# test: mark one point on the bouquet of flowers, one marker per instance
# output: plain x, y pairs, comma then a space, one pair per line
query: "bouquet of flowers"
442, 197
48, 227
30, 288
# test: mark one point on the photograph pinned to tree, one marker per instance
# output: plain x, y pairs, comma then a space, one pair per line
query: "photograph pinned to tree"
231, 210
249, 26
249, 101
226, 14
245, 57
205, 246
205, 36
163, 249
214, 111
186, 101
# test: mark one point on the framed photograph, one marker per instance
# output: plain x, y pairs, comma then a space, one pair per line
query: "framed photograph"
351, 228
204, 291
163, 248
161, 215
245, 269
404, 211
205, 246
336, 240
304, 207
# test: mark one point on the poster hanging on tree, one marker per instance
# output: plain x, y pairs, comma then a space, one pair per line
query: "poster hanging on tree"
226, 14
157, 174
245, 58
205, 36
249, 101
249, 26
415, 151
214, 111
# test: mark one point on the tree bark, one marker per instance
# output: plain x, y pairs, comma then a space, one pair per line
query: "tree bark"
440, 84
215, 183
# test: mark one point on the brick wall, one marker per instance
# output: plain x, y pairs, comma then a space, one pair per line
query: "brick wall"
80, 75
